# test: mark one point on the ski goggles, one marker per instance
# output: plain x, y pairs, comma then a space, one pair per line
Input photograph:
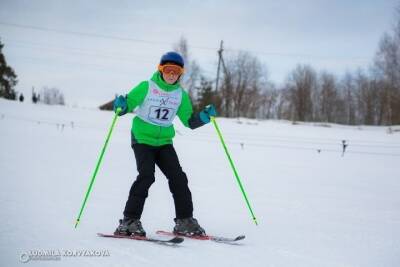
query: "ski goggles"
171, 68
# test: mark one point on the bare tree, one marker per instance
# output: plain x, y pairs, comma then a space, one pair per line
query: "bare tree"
365, 99
301, 83
52, 96
387, 68
192, 75
243, 81
328, 97
269, 103
225, 92
283, 108
348, 92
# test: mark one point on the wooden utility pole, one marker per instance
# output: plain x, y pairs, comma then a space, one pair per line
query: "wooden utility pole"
221, 49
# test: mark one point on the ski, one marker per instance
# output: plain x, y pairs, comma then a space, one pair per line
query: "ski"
173, 241
218, 239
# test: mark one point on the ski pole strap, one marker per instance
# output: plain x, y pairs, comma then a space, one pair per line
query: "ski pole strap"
234, 169
97, 167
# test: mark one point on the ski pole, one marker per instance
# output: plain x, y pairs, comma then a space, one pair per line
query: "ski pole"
97, 167
234, 169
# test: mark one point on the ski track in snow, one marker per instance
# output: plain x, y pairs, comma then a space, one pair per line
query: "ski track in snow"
313, 209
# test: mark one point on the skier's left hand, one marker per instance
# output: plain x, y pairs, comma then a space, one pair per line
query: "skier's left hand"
208, 112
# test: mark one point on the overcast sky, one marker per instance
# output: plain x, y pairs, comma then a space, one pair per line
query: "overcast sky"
92, 50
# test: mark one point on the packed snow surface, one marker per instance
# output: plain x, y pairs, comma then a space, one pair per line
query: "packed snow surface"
314, 206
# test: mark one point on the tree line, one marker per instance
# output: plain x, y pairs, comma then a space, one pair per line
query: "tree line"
369, 97
8, 81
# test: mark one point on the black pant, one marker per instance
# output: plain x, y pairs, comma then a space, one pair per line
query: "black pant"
167, 160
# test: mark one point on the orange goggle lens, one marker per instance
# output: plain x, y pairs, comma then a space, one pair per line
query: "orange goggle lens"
169, 68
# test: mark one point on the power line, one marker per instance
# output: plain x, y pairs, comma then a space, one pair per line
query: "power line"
95, 35
137, 40
283, 146
78, 51
310, 140
308, 56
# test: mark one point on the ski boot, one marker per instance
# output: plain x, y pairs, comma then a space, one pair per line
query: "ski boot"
188, 227
129, 226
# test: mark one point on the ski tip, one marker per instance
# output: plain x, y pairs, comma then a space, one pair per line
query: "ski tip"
176, 240
108, 235
241, 237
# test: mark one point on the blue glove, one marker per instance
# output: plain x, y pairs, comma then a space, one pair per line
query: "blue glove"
120, 102
208, 112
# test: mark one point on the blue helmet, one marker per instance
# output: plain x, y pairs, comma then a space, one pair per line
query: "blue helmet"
172, 57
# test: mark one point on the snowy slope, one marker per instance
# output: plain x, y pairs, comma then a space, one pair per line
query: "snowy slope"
314, 209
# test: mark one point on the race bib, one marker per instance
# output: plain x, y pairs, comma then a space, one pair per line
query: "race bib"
160, 107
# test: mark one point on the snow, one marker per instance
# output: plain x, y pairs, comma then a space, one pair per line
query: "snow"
313, 209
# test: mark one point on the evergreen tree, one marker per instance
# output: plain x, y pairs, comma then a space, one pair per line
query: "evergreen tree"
206, 95
8, 78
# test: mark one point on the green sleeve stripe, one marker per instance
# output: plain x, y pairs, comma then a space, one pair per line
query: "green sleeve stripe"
137, 95
185, 110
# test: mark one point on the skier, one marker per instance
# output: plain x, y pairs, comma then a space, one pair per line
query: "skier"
159, 100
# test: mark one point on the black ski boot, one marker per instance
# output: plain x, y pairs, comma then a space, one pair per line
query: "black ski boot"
188, 227
128, 226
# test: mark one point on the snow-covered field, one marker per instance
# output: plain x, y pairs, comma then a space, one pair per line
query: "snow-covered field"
313, 208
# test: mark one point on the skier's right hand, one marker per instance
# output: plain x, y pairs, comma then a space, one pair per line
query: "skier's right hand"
120, 102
